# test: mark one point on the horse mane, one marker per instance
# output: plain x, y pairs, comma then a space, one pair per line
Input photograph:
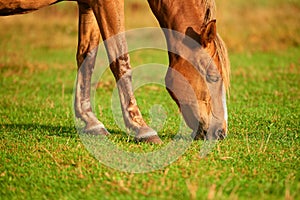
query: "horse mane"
222, 56
220, 48
210, 9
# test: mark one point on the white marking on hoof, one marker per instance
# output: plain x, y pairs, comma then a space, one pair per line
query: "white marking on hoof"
145, 132
98, 129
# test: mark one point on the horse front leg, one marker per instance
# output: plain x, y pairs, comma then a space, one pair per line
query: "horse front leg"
110, 17
86, 55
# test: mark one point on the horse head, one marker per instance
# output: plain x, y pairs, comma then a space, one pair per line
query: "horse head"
198, 72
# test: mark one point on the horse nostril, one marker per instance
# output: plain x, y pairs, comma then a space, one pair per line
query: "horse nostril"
220, 134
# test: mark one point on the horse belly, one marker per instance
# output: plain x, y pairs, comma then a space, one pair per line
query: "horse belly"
12, 7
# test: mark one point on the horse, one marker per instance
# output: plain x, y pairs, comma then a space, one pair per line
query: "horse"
198, 87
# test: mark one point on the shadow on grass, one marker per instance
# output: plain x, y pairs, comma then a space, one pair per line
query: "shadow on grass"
50, 130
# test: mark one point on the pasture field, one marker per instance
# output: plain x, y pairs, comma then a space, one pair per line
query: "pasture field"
42, 156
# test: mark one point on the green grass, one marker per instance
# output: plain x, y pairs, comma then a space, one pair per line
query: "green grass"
42, 156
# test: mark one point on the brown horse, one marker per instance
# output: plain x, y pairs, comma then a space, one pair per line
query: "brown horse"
199, 69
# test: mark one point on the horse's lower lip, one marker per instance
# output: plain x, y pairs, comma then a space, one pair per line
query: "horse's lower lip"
203, 135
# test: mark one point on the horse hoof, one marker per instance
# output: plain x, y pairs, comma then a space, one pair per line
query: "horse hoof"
96, 130
147, 135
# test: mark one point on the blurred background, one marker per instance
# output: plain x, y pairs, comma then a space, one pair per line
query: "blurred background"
246, 26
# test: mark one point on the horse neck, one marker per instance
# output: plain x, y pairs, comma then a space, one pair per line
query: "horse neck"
178, 15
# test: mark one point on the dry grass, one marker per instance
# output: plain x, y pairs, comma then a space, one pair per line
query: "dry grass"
245, 26
259, 25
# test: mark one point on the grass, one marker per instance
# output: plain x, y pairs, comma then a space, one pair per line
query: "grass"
42, 156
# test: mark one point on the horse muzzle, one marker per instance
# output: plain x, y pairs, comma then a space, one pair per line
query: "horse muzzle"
216, 131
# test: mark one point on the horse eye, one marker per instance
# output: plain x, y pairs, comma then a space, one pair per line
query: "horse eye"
212, 78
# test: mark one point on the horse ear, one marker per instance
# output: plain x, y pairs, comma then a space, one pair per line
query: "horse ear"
208, 33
